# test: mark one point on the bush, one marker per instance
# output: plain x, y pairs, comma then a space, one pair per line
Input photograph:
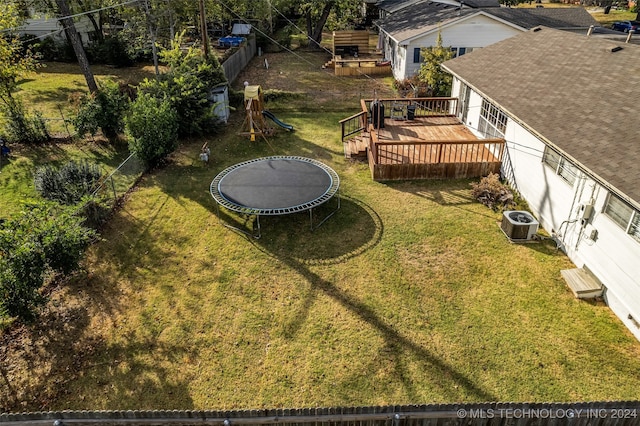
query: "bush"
103, 110
68, 184
492, 193
411, 87
187, 85
111, 51
152, 128
43, 239
19, 126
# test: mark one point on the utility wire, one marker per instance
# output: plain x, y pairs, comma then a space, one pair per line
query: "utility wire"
311, 39
78, 14
264, 34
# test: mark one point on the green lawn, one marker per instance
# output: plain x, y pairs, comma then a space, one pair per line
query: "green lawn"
49, 90
409, 294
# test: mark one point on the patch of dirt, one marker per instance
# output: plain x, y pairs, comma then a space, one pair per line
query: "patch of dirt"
302, 71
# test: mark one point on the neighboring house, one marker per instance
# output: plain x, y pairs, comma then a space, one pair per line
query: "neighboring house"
43, 26
406, 31
389, 7
567, 106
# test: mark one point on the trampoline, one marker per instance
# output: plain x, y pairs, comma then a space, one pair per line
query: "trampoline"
277, 185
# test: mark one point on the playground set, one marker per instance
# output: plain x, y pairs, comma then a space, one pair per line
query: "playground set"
254, 124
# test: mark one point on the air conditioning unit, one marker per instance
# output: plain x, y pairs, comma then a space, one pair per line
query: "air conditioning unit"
519, 225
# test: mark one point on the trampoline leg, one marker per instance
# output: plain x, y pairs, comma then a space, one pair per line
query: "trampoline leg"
328, 216
257, 231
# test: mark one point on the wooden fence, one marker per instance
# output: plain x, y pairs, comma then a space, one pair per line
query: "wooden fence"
235, 63
347, 39
483, 414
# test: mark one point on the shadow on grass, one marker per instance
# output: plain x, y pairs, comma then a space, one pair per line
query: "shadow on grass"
451, 193
449, 382
60, 95
57, 351
356, 225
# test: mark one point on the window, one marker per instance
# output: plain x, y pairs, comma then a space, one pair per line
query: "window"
459, 51
493, 122
560, 165
624, 215
417, 58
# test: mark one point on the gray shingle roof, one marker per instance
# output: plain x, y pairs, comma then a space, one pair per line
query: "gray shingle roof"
578, 93
558, 18
419, 18
425, 15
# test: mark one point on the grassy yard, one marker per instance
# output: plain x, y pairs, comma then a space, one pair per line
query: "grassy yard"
49, 90
409, 294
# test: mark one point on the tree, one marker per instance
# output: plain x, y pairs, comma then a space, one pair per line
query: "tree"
187, 86
431, 72
72, 35
318, 13
14, 65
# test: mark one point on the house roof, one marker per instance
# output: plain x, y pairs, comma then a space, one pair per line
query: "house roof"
392, 6
577, 93
425, 16
558, 18
420, 18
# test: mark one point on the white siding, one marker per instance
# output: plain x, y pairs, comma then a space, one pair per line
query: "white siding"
613, 256
41, 26
474, 32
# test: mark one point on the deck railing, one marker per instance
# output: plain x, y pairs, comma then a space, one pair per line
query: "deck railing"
357, 123
435, 160
422, 107
421, 152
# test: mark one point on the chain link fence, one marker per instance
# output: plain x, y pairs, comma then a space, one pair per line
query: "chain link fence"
120, 180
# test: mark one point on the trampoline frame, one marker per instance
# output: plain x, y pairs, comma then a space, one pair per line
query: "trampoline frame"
332, 191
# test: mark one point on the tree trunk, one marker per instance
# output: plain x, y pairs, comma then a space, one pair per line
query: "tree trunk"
96, 28
316, 36
76, 42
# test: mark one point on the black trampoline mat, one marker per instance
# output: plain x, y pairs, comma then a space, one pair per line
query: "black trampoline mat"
275, 183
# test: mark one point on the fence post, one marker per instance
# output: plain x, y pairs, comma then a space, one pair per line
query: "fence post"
113, 186
64, 121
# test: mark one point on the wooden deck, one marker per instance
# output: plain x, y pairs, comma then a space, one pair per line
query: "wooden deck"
427, 128
429, 143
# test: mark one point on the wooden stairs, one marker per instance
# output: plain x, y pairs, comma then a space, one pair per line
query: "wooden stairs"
582, 283
331, 63
356, 147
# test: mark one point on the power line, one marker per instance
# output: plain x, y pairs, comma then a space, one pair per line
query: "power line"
310, 38
77, 14
265, 35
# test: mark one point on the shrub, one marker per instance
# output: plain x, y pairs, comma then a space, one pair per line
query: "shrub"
42, 239
152, 128
69, 183
187, 85
492, 193
103, 110
111, 51
22, 127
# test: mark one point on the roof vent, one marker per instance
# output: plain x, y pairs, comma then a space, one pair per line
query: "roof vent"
616, 49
